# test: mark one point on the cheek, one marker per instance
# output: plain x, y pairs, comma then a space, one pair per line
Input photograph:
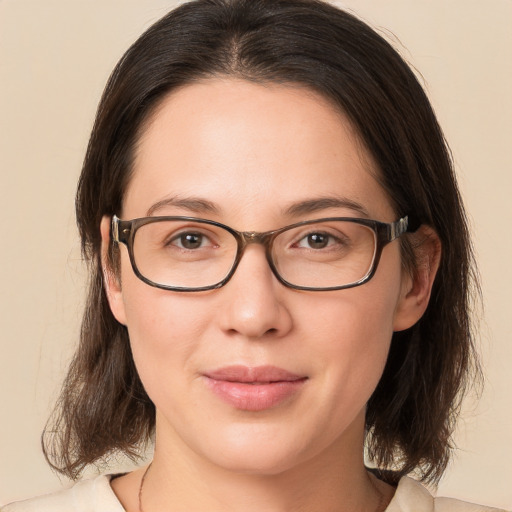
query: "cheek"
165, 331
155, 317
355, 339
354, 334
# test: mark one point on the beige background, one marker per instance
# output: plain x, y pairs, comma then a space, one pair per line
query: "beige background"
55, 56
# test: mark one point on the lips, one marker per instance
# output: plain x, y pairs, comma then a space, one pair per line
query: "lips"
254, 388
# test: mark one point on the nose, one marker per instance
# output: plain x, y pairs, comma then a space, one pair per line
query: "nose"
253, 300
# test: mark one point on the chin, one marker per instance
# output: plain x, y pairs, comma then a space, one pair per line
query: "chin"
257, 451
258, 462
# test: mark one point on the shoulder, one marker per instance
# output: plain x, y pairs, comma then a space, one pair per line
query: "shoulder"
411, 496
94, 495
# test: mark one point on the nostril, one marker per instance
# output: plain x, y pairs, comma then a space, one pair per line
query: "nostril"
269, 332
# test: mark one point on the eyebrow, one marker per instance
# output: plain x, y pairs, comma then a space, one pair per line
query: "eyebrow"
200, 205
324, 203
193, 204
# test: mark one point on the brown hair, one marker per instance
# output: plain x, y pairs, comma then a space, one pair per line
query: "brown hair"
103, 408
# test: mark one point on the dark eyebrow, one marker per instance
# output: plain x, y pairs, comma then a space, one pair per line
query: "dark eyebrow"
194, 204
324, 203
200, 206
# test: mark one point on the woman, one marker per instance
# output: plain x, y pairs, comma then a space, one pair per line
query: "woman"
280, 272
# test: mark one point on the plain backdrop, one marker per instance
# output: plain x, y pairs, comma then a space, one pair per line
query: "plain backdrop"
55, 56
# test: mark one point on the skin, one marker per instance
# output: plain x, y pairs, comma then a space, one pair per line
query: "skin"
253, 151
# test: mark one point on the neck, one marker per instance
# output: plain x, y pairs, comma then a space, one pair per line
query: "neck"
334, 481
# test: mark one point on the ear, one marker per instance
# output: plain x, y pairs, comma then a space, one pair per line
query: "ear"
417, 283
111, 281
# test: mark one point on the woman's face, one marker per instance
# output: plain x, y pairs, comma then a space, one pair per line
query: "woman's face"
257, 158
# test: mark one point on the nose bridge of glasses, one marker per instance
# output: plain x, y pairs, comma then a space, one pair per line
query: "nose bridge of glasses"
247, 238
254, 237
258, 238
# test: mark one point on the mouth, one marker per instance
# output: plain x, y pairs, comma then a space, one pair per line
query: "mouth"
254, 388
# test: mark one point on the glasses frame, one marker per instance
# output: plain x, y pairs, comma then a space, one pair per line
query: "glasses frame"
123, 231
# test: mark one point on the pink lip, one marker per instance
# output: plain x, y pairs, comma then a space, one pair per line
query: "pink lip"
253, 389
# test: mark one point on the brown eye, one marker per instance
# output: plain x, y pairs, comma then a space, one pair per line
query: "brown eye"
317, 240
189, 240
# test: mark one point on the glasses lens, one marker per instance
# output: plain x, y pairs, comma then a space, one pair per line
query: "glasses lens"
184, 254
325, 254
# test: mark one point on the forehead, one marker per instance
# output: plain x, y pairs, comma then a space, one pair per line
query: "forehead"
250, 149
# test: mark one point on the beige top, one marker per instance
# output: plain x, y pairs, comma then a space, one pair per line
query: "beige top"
96, 495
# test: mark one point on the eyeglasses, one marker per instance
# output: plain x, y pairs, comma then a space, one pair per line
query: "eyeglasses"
190, 254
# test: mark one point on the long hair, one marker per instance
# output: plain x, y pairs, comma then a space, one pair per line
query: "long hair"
103, 407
